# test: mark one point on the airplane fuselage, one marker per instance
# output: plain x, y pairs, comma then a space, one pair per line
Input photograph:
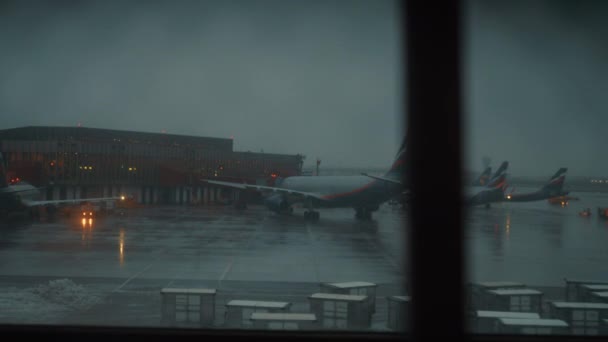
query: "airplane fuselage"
479, 195
534, 196
344, 191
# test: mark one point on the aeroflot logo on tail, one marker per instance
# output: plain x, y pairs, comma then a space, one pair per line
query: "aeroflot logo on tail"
559, 180
499, 182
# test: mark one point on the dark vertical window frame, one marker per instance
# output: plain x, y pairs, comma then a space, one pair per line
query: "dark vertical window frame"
434, 174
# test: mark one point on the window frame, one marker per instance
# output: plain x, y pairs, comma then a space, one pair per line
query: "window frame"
433, 102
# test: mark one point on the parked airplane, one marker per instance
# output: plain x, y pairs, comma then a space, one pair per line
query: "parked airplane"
483, 178
363, 192
492, 192
552, 189
22, 196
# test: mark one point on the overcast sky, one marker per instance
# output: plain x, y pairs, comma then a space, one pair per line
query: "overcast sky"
537, 85
321, 78
311, 77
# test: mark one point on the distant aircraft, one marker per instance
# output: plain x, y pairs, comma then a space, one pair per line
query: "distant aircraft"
21, 196
492, 192
501, 170
553, 188
483, 178
363, 192
485, 175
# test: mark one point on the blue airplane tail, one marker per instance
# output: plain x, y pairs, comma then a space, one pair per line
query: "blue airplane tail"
556, 183
499, 179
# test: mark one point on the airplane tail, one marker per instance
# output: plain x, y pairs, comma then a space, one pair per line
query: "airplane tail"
559, 173
484, 177
556, 183
501, 169
398, 168
3, 180
499, 180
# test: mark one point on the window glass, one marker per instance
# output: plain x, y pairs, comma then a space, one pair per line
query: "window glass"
534, 100
301, 99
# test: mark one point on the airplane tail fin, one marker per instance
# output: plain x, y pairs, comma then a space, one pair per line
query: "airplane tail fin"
398, 168
559, 173
499, 180
3, 180
556, 183
501, 169
484, 177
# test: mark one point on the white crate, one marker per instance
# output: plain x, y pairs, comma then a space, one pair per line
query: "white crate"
188, 307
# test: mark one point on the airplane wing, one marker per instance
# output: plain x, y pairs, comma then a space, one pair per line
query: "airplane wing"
388, 180
80, 200
244, 186
25, 190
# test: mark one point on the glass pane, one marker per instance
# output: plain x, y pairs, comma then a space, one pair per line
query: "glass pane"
536, 193
166, 116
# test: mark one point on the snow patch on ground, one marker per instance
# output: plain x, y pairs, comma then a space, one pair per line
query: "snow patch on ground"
46, 303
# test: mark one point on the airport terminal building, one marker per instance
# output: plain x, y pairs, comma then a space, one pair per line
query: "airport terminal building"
77, 162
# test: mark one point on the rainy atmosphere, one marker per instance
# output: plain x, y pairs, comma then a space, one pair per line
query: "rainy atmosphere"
239, 165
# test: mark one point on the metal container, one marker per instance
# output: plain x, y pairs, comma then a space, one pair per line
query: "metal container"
601, 297
283, 321
356, 288
531, 326
238, 312
477, 293
486, 322
517, 300
187, 307
574, 290
337, 311
583, 318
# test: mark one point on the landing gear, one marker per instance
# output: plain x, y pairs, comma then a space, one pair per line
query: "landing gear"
363, 214
312, 215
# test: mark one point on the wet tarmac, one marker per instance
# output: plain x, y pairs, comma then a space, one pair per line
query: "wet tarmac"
111, 272
538, 243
